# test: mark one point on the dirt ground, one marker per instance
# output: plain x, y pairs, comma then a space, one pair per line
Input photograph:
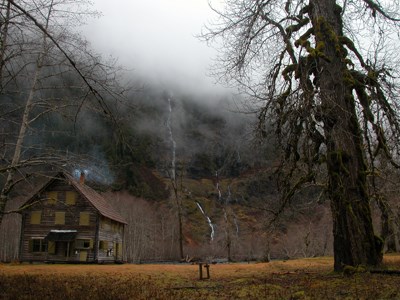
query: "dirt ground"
293, 279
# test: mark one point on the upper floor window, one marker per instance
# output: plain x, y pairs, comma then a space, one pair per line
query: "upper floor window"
84, 218
36, 217
70, 198
59, 218
106, 224
52, 197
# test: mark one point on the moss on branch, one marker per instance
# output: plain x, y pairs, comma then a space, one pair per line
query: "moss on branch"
305, 10
288, 70
304, 37
296, 27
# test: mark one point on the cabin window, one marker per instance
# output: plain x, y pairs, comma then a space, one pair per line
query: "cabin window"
106, 224
103, 245
59, 218
118, 228
70, 198
84, 244
36, 217
51, 247
38, 245
84, 218
52, 197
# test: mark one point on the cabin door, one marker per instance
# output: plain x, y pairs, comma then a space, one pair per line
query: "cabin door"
83, 255
116, 250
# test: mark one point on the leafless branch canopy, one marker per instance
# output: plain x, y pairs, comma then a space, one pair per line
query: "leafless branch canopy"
270, 49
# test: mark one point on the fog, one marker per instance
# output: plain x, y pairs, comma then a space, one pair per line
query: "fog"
157, 40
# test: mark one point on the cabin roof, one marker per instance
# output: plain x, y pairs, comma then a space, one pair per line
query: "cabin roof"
97, 200
94, 198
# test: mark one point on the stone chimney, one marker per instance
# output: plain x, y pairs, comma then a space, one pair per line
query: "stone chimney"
82, 178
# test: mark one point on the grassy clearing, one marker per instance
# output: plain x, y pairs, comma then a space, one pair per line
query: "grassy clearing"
295, 279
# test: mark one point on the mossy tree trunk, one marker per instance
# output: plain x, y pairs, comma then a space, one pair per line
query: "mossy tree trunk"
354, 239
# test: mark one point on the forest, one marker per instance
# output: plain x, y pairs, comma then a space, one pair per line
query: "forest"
197, 175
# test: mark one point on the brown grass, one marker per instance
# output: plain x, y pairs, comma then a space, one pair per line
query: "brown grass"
295, 279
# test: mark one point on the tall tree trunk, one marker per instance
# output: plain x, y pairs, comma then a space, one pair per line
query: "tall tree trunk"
4, 25
354, 239
180, 225
228, 241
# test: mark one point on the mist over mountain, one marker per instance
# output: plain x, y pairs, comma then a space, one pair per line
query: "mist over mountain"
210, 134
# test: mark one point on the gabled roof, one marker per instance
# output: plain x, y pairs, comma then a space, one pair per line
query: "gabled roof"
93, 197
98, 201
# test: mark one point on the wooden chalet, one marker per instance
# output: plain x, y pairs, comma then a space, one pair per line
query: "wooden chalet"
67, 221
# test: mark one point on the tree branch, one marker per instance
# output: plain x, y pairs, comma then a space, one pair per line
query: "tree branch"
97, 95
375, 7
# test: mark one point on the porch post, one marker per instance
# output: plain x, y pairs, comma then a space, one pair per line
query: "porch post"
68, 250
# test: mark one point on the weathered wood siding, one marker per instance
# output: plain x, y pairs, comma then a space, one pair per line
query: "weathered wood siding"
110, 240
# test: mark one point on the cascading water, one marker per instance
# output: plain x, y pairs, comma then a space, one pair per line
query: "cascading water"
238, 157
173, 179
212, 234
236, 225
217, 186
173, 143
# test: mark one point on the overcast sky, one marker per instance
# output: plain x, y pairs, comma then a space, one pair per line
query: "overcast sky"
156, 38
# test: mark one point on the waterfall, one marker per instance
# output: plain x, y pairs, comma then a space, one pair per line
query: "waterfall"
238, 156
212, 234
236, 225
217, 186
173, 143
